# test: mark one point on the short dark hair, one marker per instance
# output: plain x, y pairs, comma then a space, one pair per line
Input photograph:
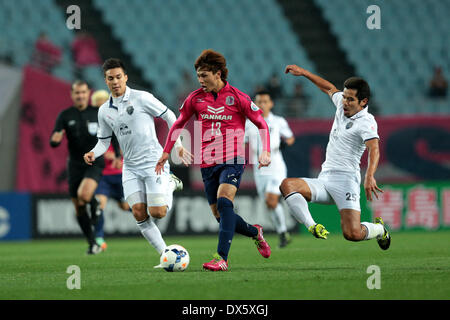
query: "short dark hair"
263, 92
113, 63
212, 61
360, 85
79, 82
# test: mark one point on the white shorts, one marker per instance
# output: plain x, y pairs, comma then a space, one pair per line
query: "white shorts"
341, 188
153, 190
268, 184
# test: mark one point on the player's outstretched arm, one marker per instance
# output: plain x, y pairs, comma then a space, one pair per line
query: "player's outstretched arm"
172, 137
254, 114
160, 164
264, 159
370, 184
322, 84
185, 156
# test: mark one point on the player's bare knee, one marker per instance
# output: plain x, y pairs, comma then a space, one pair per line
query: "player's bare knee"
139, 212
140, 216
285, 187
84, 198
290, 185
158, 212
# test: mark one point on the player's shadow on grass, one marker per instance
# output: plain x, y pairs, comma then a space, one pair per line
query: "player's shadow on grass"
297, 268
277, 269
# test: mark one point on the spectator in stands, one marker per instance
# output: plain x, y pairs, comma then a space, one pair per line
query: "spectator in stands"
85, 50
274, 86
46, 55
298, 102
259, 87
438, 84
184, 88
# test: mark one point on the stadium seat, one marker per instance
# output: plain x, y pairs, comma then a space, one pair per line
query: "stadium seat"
175, 35
31, 18
397, 62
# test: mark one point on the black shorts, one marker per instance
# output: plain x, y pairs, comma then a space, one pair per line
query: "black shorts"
214, 176
77, 171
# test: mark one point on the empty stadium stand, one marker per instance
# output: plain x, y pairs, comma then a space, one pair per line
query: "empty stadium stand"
399, 58
161, 39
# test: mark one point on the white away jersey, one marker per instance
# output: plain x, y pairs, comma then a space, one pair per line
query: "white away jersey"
131, 118
278, 128
347, 138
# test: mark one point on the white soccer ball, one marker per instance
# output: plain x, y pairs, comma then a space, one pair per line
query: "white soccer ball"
174, 258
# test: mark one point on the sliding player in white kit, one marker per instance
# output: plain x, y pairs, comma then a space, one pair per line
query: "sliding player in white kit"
268, 179
353, 130
130, 115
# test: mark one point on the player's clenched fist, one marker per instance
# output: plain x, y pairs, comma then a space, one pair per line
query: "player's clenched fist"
295, 70
89, 158
264, 159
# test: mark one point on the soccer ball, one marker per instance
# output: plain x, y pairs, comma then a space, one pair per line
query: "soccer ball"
174, 258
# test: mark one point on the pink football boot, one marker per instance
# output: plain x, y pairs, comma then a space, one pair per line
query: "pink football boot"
216, 264
261, 244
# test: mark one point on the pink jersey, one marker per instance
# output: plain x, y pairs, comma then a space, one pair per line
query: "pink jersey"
109, 169
222, 117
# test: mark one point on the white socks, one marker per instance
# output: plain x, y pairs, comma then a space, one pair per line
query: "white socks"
299, 209
151, 232
278, 219
374, 230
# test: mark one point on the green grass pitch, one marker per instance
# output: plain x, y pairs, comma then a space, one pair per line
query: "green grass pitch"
417, 266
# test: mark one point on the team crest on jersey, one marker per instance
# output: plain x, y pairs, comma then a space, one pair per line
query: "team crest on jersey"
92, 128
123, 129
229, 100
130, 110
349, 125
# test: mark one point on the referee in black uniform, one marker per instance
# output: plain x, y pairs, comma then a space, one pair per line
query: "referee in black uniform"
79, 122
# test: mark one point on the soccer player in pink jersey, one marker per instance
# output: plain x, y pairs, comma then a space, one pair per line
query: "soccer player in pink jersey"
222, 111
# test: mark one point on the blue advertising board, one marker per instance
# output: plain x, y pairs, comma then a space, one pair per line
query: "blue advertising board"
15, 216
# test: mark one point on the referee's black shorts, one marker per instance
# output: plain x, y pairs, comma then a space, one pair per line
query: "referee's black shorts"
77, 171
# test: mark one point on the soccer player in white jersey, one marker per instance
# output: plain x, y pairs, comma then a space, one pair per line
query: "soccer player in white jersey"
268, 179
354, 129
130, 115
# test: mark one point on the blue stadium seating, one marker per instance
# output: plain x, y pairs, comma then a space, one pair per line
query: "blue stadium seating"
399, 58
21, 23
164, 38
